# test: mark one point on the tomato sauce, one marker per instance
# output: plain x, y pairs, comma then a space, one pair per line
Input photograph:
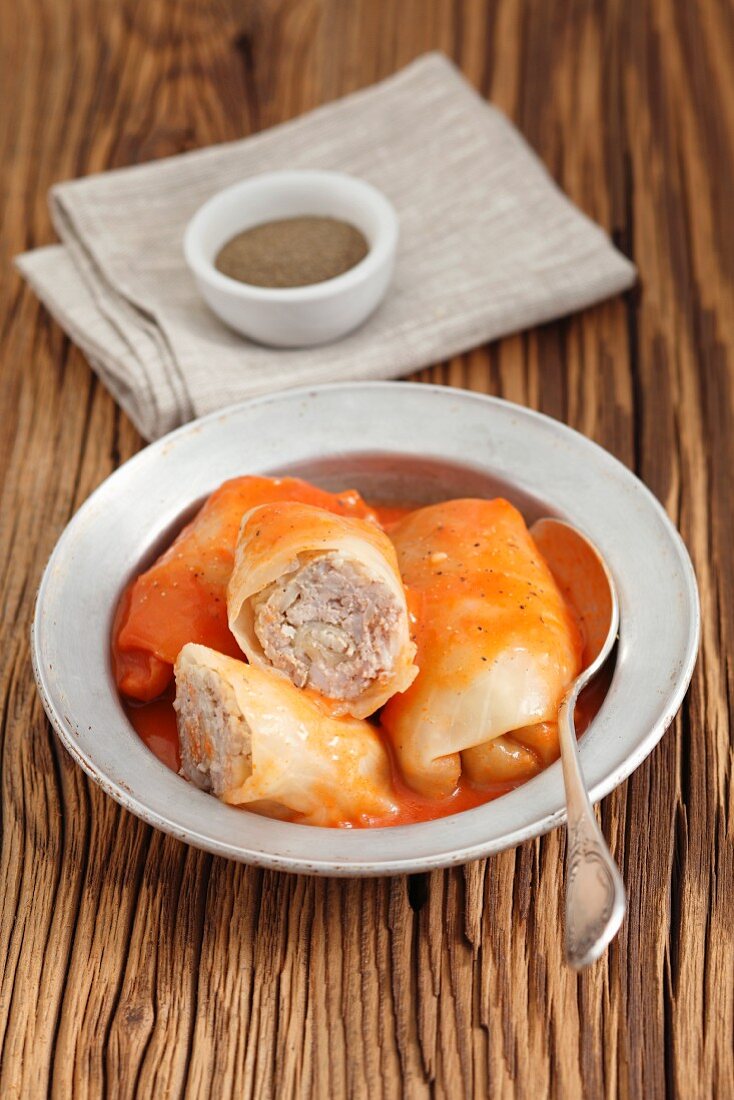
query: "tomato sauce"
155, 724
390, 514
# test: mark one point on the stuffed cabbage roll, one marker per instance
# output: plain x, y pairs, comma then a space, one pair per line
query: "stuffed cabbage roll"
497, 648
253, 739
318, 598
182, 597
513, 758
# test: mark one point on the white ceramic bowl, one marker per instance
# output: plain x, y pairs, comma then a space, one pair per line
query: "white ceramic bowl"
294, 316
391, 441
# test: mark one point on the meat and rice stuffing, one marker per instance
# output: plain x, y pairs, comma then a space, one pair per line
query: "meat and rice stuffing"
213, 733
318, 599
330, 626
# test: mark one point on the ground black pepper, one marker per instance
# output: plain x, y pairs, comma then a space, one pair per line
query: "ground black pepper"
292, 252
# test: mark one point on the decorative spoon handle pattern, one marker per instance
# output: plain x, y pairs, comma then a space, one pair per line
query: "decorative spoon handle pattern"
595, 894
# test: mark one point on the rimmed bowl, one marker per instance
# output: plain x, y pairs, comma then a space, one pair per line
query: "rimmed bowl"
391, 441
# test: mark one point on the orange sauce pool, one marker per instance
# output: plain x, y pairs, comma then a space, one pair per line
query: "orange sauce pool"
155, 724
390, 514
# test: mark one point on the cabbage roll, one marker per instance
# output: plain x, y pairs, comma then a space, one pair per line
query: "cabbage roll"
512, 758
253, 739
497, 648
318, 598
182, 597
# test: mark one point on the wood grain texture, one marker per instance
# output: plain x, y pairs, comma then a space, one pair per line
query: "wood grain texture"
133, 966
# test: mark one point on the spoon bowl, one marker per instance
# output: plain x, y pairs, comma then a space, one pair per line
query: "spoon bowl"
595, 894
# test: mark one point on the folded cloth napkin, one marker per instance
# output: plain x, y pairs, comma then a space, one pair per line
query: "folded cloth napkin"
488, 245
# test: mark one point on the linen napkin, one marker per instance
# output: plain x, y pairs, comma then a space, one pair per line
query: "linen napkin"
488, 245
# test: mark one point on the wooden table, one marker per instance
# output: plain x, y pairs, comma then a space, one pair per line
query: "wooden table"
131, 964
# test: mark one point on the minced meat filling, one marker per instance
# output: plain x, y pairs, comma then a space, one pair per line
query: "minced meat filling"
329, 626
214, 735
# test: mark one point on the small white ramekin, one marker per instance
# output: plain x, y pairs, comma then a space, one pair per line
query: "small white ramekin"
294, 316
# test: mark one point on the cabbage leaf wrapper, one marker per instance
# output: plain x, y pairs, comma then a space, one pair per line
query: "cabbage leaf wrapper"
497, 648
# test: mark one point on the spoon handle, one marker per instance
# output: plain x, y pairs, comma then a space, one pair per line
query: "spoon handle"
595, 894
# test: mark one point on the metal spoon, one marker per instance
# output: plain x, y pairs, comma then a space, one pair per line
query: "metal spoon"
595, 895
